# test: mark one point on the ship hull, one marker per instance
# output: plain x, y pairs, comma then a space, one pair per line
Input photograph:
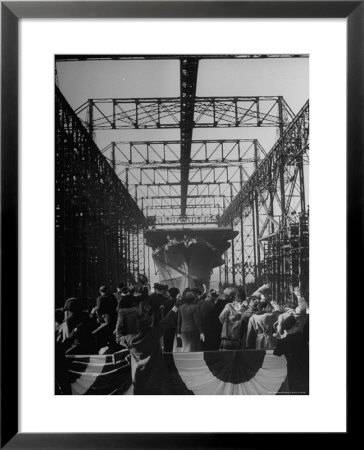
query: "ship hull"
186, 260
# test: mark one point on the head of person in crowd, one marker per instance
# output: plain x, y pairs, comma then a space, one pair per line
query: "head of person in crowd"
263, 307
124, 291
240, 294
213, 295
158, 288
253, 303
136, 291
189, 297
120, 287
103, 290
196, 291
290, 325
289, 305
230, 293
73, 312
173, 293
59, 316
145, 291
165, 290
72, 306
187, 289
142, 279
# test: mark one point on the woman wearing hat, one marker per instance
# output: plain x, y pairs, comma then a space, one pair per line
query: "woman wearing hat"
189, 325
230, 318
260, 327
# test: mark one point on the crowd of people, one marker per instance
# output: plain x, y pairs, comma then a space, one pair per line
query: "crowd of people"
166, 320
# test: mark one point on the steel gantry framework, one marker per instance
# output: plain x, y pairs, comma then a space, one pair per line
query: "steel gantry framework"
151, 171
226, 182
185, 113
271, 208
98, 225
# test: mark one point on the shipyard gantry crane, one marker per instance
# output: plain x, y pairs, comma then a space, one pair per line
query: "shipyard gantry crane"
226, 182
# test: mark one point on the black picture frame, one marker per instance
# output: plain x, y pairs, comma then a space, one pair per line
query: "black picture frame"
11, 12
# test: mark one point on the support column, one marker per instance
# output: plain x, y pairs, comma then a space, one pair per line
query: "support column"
254, 242
232, 242
243, 274
113, 156
255, 210
281, 165
302, 183
282, 283
91, 117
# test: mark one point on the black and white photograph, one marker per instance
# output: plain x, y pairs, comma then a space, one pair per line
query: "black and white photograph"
182, 224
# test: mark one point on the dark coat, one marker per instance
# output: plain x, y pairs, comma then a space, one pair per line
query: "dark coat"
74, 335
211, 325
106, 304
149, 372
127, 322
294, 347
157, 302
126, 301
189, 319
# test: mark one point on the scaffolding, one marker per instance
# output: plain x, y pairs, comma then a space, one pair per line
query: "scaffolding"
98, 224
286, 260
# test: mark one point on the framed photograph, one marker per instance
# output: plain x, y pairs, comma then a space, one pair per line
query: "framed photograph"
160, 197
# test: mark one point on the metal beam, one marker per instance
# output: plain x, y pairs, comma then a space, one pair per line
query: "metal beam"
182, 220
160, 197
188, 80
292, 144
169, 112
152, 153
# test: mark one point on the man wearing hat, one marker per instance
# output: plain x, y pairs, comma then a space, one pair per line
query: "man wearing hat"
149, 371
294, 347
106, 305
74, 334
210, 309
157, 302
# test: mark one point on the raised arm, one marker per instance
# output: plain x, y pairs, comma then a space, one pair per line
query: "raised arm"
261, 290
301, 300
168, 321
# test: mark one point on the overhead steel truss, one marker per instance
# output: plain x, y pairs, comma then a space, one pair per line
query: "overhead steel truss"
152, 168
185, 113
141, 153
167, 112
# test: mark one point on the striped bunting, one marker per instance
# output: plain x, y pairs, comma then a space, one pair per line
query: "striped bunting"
243, 372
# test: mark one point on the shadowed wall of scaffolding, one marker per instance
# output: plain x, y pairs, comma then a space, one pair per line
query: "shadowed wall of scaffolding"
99, 227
